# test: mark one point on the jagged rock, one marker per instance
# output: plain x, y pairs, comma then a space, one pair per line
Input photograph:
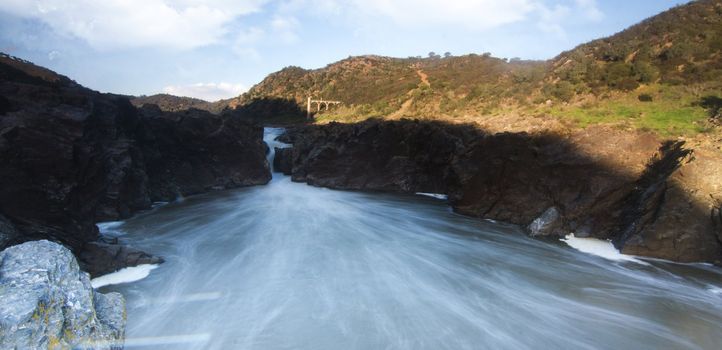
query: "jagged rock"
544, 225
599, 182
101, 258
670, 215
47, 302
283, 160
400, 156
72, 157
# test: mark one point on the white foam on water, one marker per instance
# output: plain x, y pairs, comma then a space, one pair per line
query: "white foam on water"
715, 290
126, 275
109, 226
291, 266
167, 340
187, 298
598, 247
433, 195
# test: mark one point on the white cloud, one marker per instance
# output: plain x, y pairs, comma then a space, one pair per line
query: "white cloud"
472, 14
244, 42
278, 29
476, 15
551, 19
53, 55
285, 28
590, 9
118, 24
206, 91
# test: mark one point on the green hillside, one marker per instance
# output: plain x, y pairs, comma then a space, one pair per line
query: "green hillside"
654, 75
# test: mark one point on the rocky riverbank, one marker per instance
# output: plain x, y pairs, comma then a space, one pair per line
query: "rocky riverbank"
72, 157
46, 302
651, 197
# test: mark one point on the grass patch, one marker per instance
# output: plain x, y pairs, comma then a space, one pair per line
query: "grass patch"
672, 113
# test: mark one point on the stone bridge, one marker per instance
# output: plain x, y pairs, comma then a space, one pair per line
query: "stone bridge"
321, 105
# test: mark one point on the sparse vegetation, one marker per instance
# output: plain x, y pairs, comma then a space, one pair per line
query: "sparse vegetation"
651, 76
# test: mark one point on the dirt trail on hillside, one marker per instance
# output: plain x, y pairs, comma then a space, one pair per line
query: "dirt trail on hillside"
408, 103
424, 77
403, 110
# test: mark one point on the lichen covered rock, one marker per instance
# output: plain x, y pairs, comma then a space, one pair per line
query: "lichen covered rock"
46, 302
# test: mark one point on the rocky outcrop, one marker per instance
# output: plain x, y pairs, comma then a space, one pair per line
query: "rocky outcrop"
393, 156
283, 160
645, 195
100, 258
71, 156
46, 302
672, 215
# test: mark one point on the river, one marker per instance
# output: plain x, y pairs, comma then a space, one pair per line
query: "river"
290, 266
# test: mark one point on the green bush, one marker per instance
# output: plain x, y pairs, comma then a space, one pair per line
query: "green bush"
645, 98
627, 84
563, 91
645, 72
620, 75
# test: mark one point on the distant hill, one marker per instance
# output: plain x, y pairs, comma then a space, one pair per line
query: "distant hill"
651, 75
383, 85
171, 103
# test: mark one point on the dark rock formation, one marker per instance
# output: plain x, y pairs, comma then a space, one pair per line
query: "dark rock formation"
8, 234
283, 160
604, 183
396, 156
102, 258
71, 156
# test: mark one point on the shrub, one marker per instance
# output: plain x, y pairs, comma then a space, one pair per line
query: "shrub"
628, 84
564, 91
713, 104
645, 72
645, 98
620, 75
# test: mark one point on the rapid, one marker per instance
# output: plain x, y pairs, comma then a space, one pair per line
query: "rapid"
290, 266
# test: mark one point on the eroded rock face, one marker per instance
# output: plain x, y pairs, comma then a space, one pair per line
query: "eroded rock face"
653, 199
283, 160
47, 302
676, 212
394, 156
71, 156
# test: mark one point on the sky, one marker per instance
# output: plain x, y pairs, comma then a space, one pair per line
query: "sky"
217, 49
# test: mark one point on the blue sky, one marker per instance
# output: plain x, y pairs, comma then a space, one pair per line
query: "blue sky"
218, 48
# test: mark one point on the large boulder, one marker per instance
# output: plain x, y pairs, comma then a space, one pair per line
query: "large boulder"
46, 302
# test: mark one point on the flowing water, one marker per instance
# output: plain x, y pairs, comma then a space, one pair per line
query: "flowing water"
289, 266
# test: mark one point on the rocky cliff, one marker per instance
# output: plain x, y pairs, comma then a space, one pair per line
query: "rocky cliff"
46, 302
652, 198
72, 157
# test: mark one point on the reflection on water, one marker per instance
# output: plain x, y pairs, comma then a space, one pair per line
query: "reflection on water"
289, 266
